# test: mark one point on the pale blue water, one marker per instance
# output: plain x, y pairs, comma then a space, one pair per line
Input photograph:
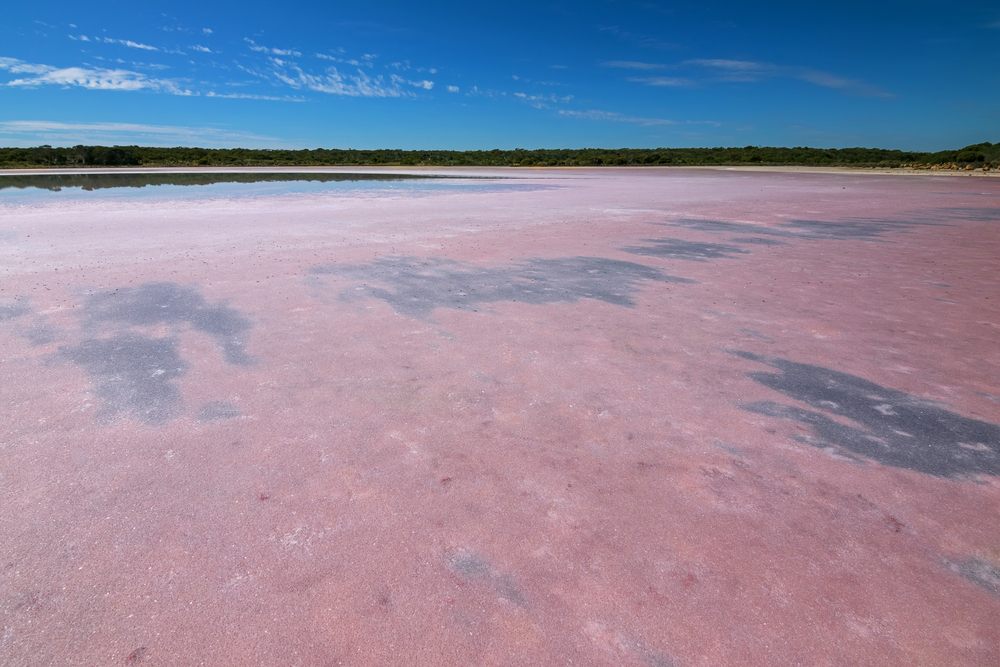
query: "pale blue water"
150, 187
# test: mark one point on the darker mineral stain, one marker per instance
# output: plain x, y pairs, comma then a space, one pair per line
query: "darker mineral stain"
133, 374
416, 287
217, 411
658, 660
696, 251
757, 334
14, 308
474, 568
889, 426
136, 656
168, 303
39, 334
979, 572
870, 229
753, 240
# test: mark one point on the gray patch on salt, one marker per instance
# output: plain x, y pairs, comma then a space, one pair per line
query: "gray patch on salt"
134, 375
892, 426
696, 251
13, 308
169, 303
475, 568
753, 240
217, 411
40, 333
415, 287
757, 334
868, 229
979, 572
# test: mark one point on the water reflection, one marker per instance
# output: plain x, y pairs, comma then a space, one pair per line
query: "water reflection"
100, 181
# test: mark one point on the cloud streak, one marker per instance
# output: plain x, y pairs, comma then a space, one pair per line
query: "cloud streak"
747, 71
92, 78
333, 82
542, 101
124, 42
632, 64
269, 51
595, 114
366, 60
667, 81
51, 132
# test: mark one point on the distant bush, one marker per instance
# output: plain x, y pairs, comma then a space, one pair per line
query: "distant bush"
970, 156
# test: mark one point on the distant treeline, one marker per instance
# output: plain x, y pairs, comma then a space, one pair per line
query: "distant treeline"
984, 154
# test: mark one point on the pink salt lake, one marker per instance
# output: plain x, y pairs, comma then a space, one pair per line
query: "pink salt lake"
589, 417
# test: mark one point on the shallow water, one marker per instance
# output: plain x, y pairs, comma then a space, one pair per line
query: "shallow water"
603, 417
33, 188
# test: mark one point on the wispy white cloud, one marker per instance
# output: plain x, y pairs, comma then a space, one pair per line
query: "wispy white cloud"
452, 89
252, 72
643, 41
365, 61
16, 66
126, 42
248, 96
203, 49
615, 117
542, 101
34, 132
668, 81
426, 85
632, 64
737, 65
274, 52
333, 82
475, 91
405, 66
93, 78
207, 31
747, 71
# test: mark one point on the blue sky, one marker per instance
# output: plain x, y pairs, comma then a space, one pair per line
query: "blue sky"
451, 75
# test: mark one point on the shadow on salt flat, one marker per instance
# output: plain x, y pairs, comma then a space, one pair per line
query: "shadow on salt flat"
892, 426
415, 287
